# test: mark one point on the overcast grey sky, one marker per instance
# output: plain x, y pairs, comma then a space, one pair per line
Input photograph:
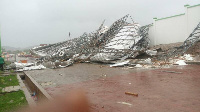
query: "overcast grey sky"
26, 23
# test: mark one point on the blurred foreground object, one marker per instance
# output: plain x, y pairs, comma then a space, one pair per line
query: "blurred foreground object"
75, 101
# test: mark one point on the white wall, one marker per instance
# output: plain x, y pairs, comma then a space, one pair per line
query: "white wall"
193, 18
176, 28
170, 30
151, 35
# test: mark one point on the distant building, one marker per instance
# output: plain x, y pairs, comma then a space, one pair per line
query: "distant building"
175, 28
43, 45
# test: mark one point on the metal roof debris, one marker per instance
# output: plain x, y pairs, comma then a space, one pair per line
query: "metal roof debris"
120, 41
114, 44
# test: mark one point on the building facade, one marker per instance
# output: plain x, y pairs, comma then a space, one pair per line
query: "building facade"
175, 28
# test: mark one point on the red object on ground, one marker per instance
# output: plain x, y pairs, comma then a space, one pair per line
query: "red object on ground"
23, 61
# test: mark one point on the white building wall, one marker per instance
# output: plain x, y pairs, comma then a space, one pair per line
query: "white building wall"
193, 18
176, 28
151, 35
170, 30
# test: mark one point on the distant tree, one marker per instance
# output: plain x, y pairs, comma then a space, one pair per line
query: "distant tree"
3, 49
9, 51
26, 51
17, 51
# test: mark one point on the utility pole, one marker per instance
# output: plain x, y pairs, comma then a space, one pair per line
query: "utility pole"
69, 35
15, 57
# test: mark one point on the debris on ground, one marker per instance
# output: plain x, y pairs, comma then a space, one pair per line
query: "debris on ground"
120, 64
152, 52
22, 65
125, 103
188, 57
172, 72
181, 62
129, 93
138, 66
39, 67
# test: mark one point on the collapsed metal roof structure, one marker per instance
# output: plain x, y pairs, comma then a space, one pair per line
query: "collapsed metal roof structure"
193, 38
120, 41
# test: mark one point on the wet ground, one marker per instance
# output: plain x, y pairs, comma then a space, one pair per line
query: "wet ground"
105, 87
77, 73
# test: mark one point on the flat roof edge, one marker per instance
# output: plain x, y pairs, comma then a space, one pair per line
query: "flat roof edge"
193, 6
188, 6
170, 17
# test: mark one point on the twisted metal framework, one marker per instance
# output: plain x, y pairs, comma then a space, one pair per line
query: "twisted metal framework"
144, 42
97, 42
193, 38
112, 31
135, 49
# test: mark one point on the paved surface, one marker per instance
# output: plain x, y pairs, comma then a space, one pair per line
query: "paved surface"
158, 91
76, 73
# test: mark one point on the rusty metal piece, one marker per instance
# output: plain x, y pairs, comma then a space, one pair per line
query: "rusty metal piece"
129, 93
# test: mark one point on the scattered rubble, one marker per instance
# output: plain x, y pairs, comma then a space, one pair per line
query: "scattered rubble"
22, 65
181, 62
120, 64
188, 57
194, 50
151, 52
138, 66
25, 66
39, 67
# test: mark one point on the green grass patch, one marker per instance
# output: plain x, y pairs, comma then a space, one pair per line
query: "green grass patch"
12, 101
1, 72
6, 81
12, 71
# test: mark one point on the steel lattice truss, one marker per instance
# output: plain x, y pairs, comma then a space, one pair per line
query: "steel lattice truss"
193, 38
132, 51
120, 41
112, 31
